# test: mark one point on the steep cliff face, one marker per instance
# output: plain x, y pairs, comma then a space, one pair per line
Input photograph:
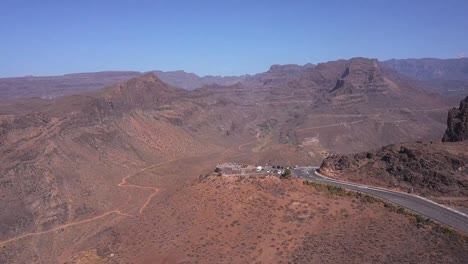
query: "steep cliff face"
457, 123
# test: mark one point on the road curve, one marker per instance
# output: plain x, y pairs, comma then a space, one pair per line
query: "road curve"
437, 212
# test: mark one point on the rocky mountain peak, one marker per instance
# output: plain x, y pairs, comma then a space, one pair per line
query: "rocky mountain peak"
457, 123
144, 85
358, 74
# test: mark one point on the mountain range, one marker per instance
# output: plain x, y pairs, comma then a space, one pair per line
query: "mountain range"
116, 156
444, 76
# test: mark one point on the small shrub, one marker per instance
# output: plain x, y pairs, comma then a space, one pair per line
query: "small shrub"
390, 207
344, 212
336, 190
400, 210
286, 174
422, 221
447, 230
368, 199
316, 186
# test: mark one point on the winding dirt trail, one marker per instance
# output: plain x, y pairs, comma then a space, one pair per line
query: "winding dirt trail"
246, 144
124, 183
117, 211
330, 125
239, 147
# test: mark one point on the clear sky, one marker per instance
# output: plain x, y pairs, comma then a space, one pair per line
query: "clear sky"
221, 37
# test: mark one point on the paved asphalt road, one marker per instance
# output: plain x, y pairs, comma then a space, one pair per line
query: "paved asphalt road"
417, 204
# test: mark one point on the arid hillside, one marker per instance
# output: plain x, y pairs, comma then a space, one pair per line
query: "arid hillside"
58, 165
235, 220
110, 172
314, 109
334, 106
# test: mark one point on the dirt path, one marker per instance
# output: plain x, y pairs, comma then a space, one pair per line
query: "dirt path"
123, 183
285, 102
330, 125
432, 109
239, 147
245, 144
117, 211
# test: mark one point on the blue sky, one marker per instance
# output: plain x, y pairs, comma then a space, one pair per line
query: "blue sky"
45, 37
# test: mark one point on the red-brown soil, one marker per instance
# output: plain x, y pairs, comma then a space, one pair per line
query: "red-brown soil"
112, 175
238, 220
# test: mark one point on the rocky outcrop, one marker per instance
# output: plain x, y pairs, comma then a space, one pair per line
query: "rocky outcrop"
431, 169
457, 123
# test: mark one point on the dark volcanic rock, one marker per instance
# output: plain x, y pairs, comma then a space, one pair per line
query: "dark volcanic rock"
457, 123
434, 169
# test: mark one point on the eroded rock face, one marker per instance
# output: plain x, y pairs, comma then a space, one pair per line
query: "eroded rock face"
431, 169
457, 123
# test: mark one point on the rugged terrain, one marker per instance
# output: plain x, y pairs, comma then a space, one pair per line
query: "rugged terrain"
111, 171
316, 109
448, 77
431, 169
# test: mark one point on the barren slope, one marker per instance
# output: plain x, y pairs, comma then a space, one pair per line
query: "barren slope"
111, 171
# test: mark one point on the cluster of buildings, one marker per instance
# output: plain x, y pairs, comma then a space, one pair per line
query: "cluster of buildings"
232, 168
271, 169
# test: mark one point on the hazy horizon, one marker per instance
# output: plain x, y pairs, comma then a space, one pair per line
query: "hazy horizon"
201, 75
221, 38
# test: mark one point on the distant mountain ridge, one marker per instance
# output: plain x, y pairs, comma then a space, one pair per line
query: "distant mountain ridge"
447, 77
444, 76
430, 68
191, 81
48, 87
